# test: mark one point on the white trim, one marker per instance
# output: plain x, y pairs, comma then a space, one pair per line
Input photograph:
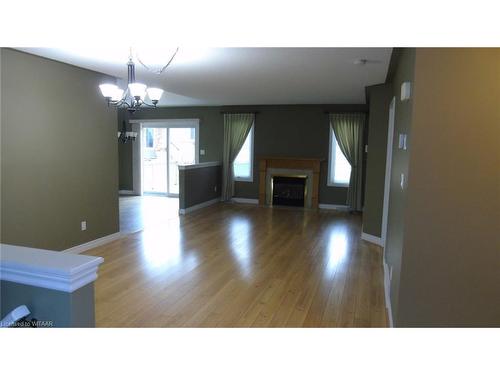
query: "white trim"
94, 243
387, 293
388, 169
200, 165
244, 200
137, 160
47, 269
340, 207
371, 238
126, 192
251, 134
187, 210
166, 124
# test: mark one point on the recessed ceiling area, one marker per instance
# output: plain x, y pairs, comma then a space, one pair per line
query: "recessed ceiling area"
241, 76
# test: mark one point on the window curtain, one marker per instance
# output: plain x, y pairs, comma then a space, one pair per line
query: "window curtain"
236, 129
348, 129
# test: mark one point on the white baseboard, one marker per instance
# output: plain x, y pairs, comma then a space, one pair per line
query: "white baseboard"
373, 239
126, 192
94, 243
187, 210
340, 207
387, 290
244, 200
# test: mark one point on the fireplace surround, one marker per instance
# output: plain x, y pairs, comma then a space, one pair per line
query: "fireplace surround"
304, 168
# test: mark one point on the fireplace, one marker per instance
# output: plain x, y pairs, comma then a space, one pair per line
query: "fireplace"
288, 191
305, 189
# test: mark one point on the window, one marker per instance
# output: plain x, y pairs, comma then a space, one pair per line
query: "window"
339, 169
243, 164
149, 137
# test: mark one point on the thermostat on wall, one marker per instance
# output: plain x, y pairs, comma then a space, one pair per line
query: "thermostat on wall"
405, 91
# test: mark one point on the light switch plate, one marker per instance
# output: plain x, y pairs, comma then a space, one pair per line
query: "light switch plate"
202, 152
405, 91
403, 180
402, 141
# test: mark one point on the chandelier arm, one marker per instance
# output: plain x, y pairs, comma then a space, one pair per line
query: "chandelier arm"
162, 69
169, 62
140, 61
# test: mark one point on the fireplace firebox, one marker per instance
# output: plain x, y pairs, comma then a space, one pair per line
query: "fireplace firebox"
289, 191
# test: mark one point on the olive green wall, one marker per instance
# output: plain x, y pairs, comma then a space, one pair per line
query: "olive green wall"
400, 164
59, 159
380, 97
288, 130
56, 308
450, 272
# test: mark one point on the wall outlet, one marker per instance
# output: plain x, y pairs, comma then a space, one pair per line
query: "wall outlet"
215, 188
202, 152
84, 225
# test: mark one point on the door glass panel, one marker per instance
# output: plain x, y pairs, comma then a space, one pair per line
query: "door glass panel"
182, 150
154, 160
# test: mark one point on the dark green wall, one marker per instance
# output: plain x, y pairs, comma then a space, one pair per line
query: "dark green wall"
199, 185
288, 130
380, 97
59, 159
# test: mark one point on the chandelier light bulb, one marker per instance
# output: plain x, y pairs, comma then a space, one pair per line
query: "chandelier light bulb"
155, 94
117, 95
108, 89
137, 90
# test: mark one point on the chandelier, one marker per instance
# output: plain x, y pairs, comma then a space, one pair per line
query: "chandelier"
124, 136
134, 96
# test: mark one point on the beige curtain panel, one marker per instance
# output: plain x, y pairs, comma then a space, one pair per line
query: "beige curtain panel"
348, 129
236, 129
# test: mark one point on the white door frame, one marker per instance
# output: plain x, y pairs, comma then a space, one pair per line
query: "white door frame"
388, 169
138, 126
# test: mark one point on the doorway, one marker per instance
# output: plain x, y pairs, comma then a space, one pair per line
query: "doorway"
164, 145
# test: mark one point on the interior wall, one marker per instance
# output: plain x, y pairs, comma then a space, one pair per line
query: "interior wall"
450, 266
380, 97
404, 71
287, 130
59, 160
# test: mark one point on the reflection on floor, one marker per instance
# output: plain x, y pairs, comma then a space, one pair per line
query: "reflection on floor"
148, 211
234, 265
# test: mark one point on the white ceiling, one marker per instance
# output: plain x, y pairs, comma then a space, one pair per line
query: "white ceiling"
239, 76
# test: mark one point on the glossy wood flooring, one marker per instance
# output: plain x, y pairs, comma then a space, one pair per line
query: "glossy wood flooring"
234, 265
139, 212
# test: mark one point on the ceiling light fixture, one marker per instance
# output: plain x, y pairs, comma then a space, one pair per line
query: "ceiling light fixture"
125, 136
134, 96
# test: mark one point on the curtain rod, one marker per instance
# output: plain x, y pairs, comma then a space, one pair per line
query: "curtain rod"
235, 112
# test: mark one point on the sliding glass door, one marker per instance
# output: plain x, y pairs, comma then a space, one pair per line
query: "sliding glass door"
154, 160
165, 147
181, 151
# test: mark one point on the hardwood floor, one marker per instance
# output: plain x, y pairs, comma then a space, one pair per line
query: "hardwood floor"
139, 212
234, 265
